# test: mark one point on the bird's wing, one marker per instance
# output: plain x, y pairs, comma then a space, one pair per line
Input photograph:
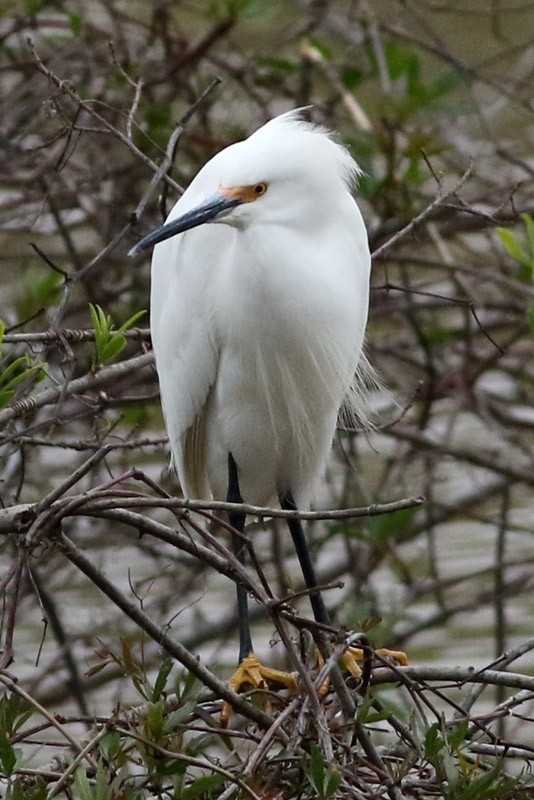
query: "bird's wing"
186, 350
192, 470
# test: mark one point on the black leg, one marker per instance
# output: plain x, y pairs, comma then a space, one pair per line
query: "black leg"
295, 526
237, 521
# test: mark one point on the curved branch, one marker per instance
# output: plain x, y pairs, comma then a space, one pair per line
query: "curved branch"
88, 382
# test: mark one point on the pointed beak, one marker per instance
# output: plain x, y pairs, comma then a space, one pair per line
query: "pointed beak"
215, 207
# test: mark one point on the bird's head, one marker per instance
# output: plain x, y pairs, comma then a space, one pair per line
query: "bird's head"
288, 172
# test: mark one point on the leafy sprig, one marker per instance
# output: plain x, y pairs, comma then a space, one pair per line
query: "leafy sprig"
18, 370
109, 341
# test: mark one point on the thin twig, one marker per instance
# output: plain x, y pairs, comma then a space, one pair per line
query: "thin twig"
159, 635
438, 201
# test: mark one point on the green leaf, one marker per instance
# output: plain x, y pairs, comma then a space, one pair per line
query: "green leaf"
433, 743
192, 685
530, 318
17, 791
171, 767
5, 397
108, 341
155, 720
102, 784
451, 770
529, 225
110, 745
202, 785
129, 323
317, 769
161, 679
22, 376
22, 718
177, 781
112, 348
82, 785
364, 709
39, 790
13, 367
8, 757
176, 717
457, 735
512, 246
332, 782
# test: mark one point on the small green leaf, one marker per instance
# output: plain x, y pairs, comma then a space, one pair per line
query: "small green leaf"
456, 736
82, 785
22, 719
112, 348
5, 397
177, 781
161, 679
433, 743
333, 780
102, 783
109, 342
110, 745
176, 717
530, 318
8, 757
17, 791
317, 769
192, 685
202, 785
512, 246
529, 225
130, 322
155, 720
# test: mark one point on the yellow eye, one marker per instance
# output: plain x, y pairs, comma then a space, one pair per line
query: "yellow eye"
244, 194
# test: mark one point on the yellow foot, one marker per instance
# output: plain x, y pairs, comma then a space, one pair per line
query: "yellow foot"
354, 656
251, 673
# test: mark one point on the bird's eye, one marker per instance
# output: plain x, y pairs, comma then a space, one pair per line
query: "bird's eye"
259, 189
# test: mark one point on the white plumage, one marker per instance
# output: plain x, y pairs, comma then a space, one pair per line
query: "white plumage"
258, 317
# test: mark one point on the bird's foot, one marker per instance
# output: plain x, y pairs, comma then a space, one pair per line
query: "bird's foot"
250, 673
354, 656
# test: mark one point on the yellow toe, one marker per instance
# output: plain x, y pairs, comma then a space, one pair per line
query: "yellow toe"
252, 674
398, 655
354, 656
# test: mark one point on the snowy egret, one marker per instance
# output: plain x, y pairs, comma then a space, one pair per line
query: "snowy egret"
258, 320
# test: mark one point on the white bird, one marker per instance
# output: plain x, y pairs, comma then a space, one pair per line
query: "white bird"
258, 320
